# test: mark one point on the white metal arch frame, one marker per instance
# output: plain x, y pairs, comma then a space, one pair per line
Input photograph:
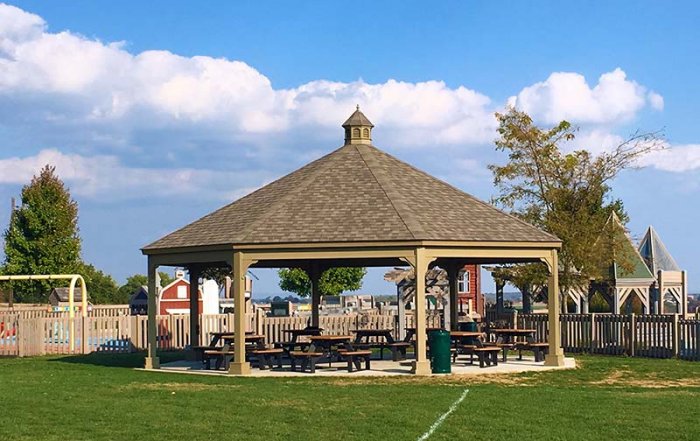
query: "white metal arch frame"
74, 279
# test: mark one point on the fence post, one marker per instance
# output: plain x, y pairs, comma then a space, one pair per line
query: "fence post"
19, 337
259, 315
85, 348
676, 335
515, 319
633, 334
593, 325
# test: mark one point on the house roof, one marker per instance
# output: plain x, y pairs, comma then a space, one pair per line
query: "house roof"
356, 193
639, 267
655, 253
62, 294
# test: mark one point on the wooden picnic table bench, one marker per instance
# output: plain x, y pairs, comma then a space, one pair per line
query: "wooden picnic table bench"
355, 358
488, 355
539, 349
308, 359
266, 357
223, 357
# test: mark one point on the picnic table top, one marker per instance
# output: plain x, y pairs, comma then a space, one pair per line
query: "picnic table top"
514, 331
227, 333
302, 331
466, 334
248, 337
428, 328
372, 331
330, 337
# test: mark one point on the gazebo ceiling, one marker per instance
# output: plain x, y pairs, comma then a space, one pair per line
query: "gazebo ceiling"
356, 193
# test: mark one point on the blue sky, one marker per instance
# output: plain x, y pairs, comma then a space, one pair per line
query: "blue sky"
155, 113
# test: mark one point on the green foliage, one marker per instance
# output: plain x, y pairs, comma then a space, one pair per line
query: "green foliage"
133, 283
217, 274
333, 281
565, 194
42, 237
597, 303
102, 289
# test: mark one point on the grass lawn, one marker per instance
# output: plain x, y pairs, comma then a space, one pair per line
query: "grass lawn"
98, 397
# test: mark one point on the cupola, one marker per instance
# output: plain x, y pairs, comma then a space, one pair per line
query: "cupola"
358, 129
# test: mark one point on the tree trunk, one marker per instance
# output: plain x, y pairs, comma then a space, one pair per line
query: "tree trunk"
527, 302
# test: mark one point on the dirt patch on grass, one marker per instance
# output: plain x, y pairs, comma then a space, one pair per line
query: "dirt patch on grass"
626, 378
178, 387
451, 380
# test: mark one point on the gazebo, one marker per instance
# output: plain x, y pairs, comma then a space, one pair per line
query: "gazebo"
356, 206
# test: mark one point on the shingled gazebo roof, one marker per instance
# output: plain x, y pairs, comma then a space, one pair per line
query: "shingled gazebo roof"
356, 206
356, 193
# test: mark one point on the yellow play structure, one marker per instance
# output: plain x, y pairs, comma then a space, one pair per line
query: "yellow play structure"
74, 278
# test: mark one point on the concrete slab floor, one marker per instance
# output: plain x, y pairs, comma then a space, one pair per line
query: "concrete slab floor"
379, 368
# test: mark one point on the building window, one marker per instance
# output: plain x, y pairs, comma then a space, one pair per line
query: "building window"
182, 292
463, 281
356, 133
365, 133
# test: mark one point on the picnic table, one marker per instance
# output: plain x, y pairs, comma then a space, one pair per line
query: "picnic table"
411, 332
382, 339
294, 343
326, 343
506, 339
224, 354
218, 336
510, 335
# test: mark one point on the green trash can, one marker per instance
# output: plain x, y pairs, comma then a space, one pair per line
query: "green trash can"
440, 355
468, 326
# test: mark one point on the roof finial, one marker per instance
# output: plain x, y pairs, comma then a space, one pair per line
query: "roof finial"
357, 107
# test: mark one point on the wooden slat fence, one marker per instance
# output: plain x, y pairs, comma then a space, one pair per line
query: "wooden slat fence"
656, 336
689, 339
44, 311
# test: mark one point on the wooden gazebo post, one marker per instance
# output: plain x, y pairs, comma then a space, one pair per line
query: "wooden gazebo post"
195, 272
556, 355
152, 361
420, 264
240, 268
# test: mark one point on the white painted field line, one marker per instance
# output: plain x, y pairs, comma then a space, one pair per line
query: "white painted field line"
440, 420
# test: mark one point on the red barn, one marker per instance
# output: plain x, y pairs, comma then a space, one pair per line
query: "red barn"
175, 298
469, 291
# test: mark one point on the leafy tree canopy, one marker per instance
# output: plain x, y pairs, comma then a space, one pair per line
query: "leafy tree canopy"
42, 237
102, 289
333, 281
566, 194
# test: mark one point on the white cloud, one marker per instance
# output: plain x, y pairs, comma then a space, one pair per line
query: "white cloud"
567, 95
98, 175
681, 158
94, 103
95, 83
595, 141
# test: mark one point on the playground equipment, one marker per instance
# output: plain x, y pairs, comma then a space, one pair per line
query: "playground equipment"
74, 278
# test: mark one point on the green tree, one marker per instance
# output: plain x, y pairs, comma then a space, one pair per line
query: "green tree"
333, 281
102, 289
42, 237
566, 194
136, 281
